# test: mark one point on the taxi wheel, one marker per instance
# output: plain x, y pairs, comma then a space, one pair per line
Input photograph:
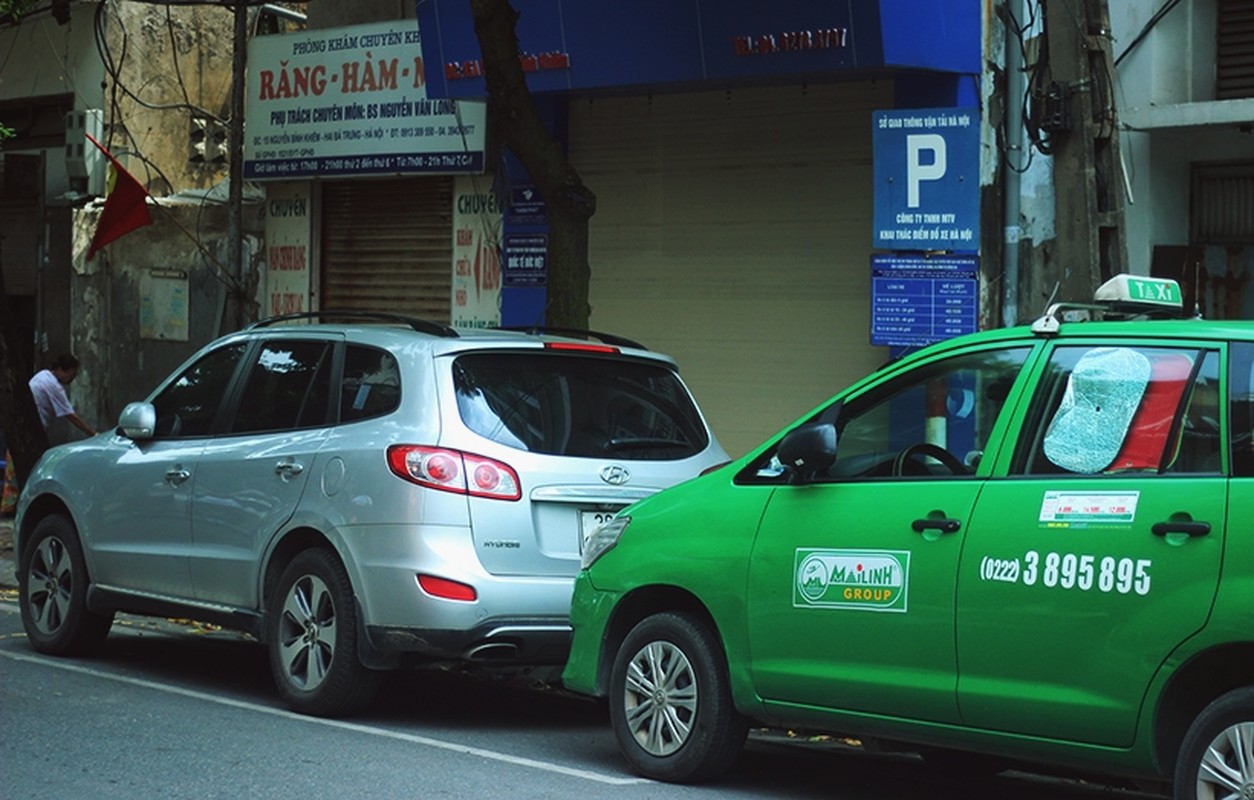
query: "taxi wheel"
1217, 755
311, 635
52, 592
670, 701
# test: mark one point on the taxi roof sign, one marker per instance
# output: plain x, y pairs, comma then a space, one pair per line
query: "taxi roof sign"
1121, 297
1132, 290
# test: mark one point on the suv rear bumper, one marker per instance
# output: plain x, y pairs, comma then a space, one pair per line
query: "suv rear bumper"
504, 641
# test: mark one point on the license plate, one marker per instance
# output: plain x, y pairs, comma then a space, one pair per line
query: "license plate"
590, 521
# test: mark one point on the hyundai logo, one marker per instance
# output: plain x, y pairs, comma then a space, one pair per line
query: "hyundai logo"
615, 474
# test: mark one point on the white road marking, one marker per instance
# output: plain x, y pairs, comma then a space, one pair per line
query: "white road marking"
423, 741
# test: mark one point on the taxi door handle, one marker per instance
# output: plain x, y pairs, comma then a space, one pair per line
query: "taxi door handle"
942, 525
1193, 529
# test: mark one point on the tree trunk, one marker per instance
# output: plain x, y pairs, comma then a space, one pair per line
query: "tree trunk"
518, 125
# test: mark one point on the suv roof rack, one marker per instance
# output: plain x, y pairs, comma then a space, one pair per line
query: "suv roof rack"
419, 325
1121, 297
578, 333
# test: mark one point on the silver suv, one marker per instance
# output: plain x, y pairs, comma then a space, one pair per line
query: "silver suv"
357, 496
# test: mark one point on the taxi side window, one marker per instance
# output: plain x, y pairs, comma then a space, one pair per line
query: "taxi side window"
1118, 410
1241, 405
931, 422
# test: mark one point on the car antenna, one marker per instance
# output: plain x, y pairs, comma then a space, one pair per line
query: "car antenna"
1197, 287
1052, 296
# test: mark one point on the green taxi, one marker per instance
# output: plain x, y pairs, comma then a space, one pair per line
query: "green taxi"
1028, 544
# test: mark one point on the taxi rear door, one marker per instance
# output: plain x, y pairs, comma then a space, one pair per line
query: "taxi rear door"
1097, 551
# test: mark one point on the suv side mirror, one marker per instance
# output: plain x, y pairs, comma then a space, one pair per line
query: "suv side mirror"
138, 421
808, 449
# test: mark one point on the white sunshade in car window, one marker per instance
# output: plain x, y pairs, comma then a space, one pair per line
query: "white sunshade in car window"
1100, 400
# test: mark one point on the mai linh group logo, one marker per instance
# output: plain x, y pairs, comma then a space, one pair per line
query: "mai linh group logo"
865, 580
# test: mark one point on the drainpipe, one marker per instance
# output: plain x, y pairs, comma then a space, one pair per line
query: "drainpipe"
1015, 87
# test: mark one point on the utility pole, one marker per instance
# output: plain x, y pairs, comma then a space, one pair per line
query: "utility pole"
235, 199
1079, 114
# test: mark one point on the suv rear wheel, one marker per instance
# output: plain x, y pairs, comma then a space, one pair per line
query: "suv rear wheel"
670, 701
1217, 756
311, 635
52, 590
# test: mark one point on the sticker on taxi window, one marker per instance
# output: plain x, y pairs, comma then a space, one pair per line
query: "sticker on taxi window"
1081, 572
863, 580
1088, 509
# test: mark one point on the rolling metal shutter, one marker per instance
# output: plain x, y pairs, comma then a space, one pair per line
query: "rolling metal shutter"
733, 232
387, 245
1234, 74
1223, 204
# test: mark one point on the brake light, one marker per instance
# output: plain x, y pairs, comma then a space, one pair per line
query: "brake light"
581, 347
446, 589
447, 470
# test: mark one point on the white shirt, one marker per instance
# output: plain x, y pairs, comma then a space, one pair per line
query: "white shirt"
50, 397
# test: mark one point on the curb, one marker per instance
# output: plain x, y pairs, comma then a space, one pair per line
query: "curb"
8, 574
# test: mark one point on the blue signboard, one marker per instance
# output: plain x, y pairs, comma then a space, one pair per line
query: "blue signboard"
568, 46
526, 259
918, 300
927, 179
526, 209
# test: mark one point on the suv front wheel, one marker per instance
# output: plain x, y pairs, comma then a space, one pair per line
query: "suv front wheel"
52, 590
311, 635
1217, 756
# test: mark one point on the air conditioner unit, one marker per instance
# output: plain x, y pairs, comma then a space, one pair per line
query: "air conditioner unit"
83, 160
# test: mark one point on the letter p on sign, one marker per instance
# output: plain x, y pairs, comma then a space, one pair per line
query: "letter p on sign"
916, 171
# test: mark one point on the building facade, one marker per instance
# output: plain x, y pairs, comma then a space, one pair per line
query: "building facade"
1186, 71
750, 164
152, 84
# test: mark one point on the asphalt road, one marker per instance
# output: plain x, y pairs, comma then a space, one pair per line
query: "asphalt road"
170, 709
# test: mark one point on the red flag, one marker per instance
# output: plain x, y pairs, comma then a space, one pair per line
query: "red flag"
125, 208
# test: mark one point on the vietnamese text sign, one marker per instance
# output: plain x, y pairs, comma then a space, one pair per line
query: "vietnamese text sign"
526, 259
916, 300
353, 101
927, 187
476, 253
288, 230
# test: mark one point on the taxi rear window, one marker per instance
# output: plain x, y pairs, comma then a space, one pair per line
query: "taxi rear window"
1103, 410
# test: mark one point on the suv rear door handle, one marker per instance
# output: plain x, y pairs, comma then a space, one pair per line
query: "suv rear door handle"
1193, 529
287, 469
177, 476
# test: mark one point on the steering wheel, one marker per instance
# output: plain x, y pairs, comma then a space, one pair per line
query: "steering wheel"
947, 459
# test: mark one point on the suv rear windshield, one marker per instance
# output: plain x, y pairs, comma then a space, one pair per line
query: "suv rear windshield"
578, 406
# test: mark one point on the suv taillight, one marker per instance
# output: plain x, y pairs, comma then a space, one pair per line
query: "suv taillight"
454, 471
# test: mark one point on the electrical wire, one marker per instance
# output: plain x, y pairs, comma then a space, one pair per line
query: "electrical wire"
113, 68
1019, 31
1153, 21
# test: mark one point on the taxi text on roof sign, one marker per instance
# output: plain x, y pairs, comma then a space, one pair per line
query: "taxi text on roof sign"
1134, 289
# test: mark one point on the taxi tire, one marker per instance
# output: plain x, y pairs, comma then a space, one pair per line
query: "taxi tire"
52, 592
1230, 713
313, 597
694, 670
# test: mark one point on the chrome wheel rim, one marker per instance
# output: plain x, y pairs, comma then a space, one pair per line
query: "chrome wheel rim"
1227, 768
49, 585
307, 631
660, 698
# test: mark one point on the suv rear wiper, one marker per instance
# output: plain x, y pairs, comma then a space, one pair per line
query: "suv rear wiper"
642, 443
